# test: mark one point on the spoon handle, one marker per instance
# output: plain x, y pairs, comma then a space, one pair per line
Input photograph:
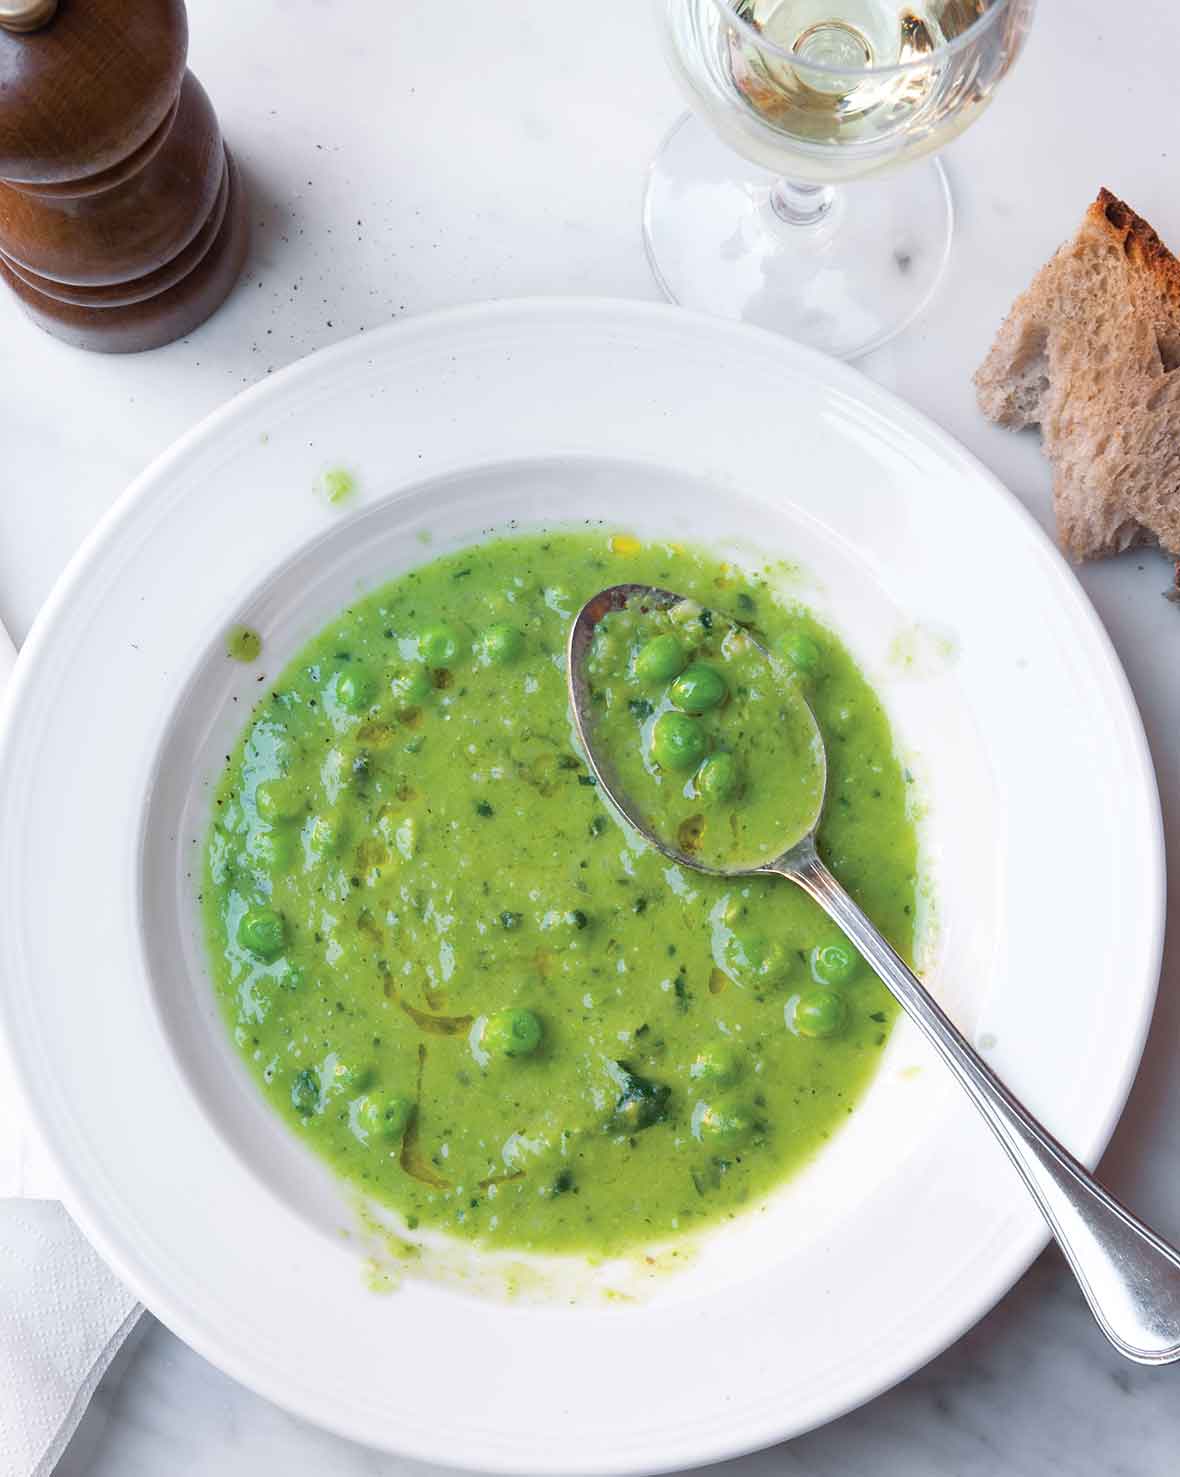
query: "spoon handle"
1129, 1275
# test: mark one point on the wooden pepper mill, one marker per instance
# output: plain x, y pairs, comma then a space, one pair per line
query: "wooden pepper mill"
122, 217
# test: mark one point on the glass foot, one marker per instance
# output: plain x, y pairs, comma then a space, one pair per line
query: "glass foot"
846, 283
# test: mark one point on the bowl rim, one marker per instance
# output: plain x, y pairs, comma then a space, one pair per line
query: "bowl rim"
88, 1213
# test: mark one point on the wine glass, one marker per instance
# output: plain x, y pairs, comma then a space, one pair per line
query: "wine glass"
812, 94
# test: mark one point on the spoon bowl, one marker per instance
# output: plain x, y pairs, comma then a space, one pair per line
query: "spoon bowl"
1129, 1275
578, 648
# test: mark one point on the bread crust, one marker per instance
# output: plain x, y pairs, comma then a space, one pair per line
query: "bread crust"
1139, 241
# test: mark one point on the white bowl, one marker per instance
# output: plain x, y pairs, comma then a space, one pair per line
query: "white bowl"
1042, 848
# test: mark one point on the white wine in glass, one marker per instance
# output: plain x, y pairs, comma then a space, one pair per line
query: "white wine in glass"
816, 93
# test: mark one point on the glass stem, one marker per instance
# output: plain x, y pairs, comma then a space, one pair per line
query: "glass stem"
801, 205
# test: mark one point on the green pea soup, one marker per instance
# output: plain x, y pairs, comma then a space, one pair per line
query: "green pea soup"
464, 982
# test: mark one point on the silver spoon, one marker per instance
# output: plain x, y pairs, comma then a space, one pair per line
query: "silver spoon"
1129, 1275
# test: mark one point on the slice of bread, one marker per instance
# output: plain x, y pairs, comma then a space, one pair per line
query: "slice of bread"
1090, 353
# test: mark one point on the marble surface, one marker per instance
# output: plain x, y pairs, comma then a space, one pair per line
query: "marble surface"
403, 157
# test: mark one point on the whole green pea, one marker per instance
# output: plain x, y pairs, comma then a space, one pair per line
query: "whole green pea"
413, 684
718, 1065
352, 1077
660, 659
721, 1122
263, 932
514, 1032
356, 687
718, 778
834, 964
699, 688
439, 645
820, 1013
753, 959
380, 1116
501, 644
277, 800
677, 741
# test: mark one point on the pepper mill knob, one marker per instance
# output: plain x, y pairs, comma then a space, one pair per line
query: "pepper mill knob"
122, 216
26, 15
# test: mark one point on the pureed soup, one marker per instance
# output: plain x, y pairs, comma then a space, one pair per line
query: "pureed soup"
478, 993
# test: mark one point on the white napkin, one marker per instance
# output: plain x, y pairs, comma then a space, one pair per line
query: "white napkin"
63, 1314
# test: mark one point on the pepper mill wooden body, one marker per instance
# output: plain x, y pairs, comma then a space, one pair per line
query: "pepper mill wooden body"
122, 218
